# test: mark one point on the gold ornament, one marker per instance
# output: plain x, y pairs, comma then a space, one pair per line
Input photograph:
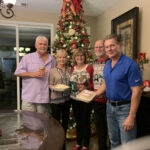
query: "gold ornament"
70, 26
82, 45
71, 32
64, 45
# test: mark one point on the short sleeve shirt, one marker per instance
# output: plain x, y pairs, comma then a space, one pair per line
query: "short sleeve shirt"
35, 90
121, 77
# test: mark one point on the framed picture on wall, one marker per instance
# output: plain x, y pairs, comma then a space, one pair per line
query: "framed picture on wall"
126, 26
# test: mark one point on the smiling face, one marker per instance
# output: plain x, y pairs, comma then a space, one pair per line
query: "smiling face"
80, 59
62, 59
99, 49
113, 48
41, 46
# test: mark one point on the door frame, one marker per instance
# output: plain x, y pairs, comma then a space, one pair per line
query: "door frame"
17, 25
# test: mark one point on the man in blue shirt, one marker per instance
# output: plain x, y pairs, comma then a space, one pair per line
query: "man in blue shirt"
122, 83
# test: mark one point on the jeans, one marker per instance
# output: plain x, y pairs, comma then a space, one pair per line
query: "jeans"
115, 119
101, 124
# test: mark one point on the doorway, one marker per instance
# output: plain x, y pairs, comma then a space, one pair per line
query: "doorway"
16, 40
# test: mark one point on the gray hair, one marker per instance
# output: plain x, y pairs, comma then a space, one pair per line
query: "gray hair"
116, 37
41, 38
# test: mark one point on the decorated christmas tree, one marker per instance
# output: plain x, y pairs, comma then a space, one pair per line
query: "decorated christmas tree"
71, 32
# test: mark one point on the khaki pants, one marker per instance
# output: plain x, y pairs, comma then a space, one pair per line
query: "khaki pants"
36, 107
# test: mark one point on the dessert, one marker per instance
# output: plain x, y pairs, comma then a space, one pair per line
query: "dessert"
86, 95
61, 87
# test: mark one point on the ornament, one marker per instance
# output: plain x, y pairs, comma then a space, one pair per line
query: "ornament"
56, 37
54, 51
85, 34
82, 45
64, 45
83, 31
70, 26
65, 34
73, 46
77, 23
61, 39
62, 42
70, 17
62, 27
76, 37
90, 55
81, 40
71, 32
67, 50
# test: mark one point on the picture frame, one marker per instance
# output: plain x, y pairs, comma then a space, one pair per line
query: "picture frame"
126, 25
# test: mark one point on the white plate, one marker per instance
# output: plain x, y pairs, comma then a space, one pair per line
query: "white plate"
77, 99
61, 89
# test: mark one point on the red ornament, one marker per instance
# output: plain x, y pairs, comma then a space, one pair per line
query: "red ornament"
62, 42
73, 46
54, 51
90, 55
81, 40
85, 34
67, 50
62, 27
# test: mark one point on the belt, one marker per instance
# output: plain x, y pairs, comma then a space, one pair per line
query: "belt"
118, 103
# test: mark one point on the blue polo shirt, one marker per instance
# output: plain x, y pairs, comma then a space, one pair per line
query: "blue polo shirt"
121, 77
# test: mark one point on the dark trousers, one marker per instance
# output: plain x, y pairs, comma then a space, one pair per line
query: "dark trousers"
61, 112
101, 124
82, 112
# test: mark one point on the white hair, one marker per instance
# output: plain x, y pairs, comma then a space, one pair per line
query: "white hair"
41, 38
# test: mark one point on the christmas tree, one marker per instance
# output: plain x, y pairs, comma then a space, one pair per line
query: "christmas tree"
71, 32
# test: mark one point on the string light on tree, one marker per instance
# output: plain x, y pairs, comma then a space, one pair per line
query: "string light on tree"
71, 32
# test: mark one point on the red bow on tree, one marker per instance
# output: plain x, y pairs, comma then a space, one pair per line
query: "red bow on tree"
74, 5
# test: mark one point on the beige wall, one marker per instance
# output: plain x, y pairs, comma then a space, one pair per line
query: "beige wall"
120, 7
50, 18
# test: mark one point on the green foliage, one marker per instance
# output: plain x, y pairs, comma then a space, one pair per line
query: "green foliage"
71, 33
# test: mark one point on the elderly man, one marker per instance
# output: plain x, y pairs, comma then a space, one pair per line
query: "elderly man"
34, 69
99, 103
122, 83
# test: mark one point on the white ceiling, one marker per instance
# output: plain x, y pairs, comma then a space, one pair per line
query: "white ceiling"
91, 7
